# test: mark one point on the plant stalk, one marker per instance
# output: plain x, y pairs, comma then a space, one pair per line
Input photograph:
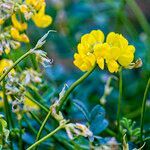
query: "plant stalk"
36, 102
6, 109
47, 136
16, 62
42, 126
20, 134
73, 86
143, 108
119, 98
64, 98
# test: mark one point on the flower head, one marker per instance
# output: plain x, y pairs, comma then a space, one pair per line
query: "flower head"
19, 12
19, 37
18, 25
85, 59
115, 52
84, 62
41, 19
125, 52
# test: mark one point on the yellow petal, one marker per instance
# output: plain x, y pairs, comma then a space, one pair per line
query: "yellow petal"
111, 37
112, 66
88, 40
1, 21
91, 58
41, 20
84, 62
7, 50
101, 50
117, 40
98, 35
19, 37
114, 53
84, 67
14, 33
131, 49
126, 59
24, 38
39, 4
100, 62
123, 41
24, 8
82, 49
18, 25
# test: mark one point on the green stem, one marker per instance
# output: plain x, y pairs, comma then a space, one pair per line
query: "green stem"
6, 108
36, 102
35, 94
119, 98
16, 62
20, 136
133, 114
38, 120
42, 126
143, 107
73, 86
47, 136
146, 139
110, 132
34, 62
62, 142
64, 99
29, 125
5, 104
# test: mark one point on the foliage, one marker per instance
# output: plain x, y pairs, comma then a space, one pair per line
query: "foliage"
45, 99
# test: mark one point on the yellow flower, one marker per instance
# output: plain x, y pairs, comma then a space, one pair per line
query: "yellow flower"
126, 52
40, 19
100, 52
18, 25
24, 8
5, 64
85, 58
84, 62
89, 40
37, 4
110, 54
7, 50
19, 37
1, 21
115, 52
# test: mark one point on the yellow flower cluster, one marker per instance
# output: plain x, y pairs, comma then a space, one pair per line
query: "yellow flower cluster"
13, 34
38, 16
18, 27
114, 52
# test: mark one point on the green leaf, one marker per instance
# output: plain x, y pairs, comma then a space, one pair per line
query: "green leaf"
82, 108
97, 121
